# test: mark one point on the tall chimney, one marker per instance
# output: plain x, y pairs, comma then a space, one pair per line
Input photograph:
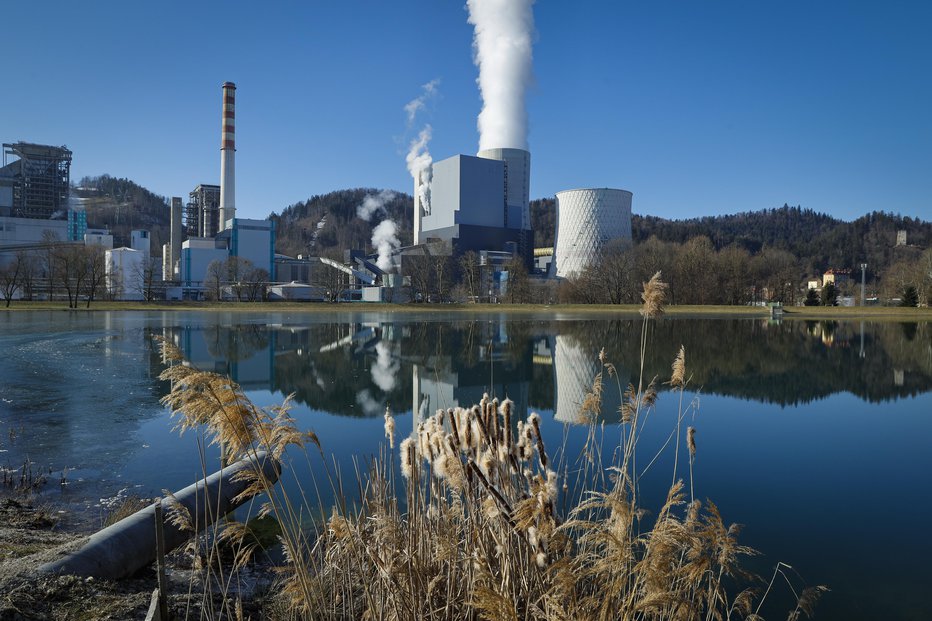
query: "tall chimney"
175, 245
227, 157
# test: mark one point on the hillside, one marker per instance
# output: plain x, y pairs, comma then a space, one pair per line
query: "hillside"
121, 206
819, 241
328, 224
296, 226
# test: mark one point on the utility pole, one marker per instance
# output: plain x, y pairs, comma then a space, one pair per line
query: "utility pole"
863, 299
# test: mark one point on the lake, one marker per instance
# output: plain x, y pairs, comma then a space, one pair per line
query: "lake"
814, 435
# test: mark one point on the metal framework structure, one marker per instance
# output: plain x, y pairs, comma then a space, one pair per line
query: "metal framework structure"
40, 179
202, 213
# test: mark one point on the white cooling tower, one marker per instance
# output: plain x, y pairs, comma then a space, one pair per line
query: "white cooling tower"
586, 220
517, 183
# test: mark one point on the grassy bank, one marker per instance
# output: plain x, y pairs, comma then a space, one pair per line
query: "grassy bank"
872, 313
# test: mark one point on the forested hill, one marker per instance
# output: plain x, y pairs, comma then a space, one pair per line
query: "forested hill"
121, 206
817, 239
297, 225
814, 238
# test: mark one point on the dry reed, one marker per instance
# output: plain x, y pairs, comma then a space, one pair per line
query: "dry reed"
473, 530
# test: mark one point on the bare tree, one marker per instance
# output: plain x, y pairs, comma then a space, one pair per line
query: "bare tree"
145, 272
519, 288
29, 265
96, 271
469, 269
214, 280
10, 279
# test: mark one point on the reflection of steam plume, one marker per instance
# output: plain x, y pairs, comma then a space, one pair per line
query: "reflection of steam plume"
502, 51
385, 369
369, 405
384, 236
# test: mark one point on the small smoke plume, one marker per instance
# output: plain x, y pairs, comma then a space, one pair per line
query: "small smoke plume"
419, 161
385, 241
373, 204
428, 92
386, 368
420, 165
384, 235
502, 41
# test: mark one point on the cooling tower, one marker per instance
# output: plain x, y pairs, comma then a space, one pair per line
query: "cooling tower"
227, 157
517, 184
587, 220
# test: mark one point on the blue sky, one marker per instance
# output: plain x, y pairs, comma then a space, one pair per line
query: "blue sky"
697, 108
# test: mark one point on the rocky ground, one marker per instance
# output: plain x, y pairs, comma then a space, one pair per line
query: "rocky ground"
30, 536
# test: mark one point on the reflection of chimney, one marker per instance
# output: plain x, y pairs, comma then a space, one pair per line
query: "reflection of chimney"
227, 157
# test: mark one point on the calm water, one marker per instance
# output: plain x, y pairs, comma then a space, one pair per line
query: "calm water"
814, 435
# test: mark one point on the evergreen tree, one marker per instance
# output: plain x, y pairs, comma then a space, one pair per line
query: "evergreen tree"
910, 297
812, 298
829, 295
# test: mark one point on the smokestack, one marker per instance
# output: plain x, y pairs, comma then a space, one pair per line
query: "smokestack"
227, 157
175, 237
517, 184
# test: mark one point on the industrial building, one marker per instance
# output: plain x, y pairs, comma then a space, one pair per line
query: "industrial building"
36, 185
478, 203
202, 213
587, 219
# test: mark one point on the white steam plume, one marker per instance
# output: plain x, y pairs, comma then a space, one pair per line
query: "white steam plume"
385, 241
420, 165
502, 41
384, 235
428, 92
374, 203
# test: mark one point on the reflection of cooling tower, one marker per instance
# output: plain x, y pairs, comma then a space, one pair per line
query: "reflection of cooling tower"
586, 221
517, 183
574, 368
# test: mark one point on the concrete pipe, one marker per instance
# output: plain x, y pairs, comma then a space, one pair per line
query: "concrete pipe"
124, 548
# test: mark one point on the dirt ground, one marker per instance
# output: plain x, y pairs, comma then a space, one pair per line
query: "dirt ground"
30, 536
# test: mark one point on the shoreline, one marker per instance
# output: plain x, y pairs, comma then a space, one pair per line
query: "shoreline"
875, 313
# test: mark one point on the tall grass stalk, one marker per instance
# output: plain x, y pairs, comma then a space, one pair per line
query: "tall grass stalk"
473, 531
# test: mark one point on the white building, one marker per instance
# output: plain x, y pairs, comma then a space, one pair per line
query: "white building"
125, 274
587, 219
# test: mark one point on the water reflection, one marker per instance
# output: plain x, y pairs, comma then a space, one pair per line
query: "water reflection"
360, 368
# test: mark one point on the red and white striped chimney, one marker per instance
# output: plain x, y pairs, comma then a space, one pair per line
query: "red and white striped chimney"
227, 157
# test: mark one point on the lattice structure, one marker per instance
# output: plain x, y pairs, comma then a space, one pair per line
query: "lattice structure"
202, 212
587, 220
39, 179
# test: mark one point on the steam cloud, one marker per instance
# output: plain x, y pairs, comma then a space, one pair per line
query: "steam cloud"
428, 92
418, 159
502, 41
385, 241
384, 236
420, 165
373, 203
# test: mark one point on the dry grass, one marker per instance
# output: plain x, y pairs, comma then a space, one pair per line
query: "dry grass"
474, 528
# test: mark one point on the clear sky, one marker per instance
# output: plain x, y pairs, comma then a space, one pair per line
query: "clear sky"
698, 108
